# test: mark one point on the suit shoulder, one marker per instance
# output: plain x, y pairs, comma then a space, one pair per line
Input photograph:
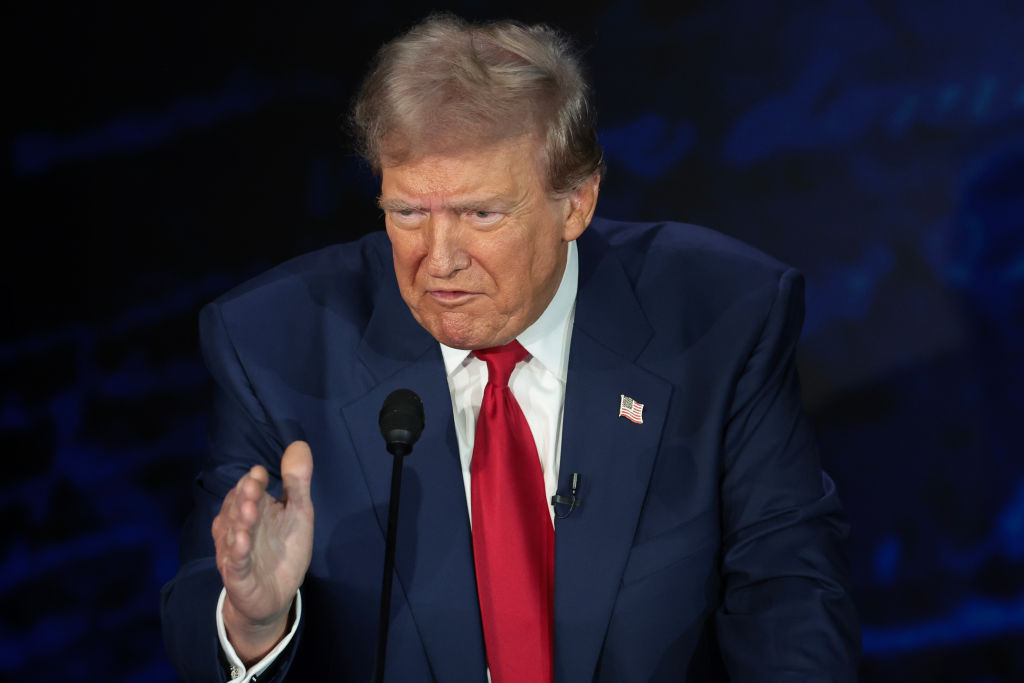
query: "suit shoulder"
670, 247
687, 276
296, 327
362, 261
309, 292
696, 286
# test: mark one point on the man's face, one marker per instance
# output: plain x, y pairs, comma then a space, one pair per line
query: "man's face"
479, 244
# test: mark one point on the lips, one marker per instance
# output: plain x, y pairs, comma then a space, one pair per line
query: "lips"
450, 296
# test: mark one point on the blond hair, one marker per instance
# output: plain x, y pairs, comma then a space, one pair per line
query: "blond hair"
448, 83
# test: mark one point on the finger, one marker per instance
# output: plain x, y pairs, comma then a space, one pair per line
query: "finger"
236, 560
239, 508
253, 484
227, 525
234, 497
248, 515
296, 473
259, 474
225, 518
232, 542
222, 514
239, 543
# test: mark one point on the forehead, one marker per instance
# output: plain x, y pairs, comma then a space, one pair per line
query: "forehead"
507, 167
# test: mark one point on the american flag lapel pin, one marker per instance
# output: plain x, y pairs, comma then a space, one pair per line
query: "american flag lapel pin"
630, 409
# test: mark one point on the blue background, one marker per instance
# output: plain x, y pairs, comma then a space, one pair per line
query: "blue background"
159, 155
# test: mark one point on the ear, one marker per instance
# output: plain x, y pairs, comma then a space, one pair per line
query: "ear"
582, 203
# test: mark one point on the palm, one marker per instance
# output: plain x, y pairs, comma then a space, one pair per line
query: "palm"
281, 549
264, 545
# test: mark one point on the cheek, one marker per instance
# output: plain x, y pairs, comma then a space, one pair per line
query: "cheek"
405, 255
517, 276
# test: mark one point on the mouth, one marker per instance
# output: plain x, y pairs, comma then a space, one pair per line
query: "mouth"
450, 297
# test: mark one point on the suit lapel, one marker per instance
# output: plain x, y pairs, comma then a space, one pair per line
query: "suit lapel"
613, 455
433, 554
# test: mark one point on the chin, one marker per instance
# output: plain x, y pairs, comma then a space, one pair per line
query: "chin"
465, 339
448, 334
458, 340
463, 329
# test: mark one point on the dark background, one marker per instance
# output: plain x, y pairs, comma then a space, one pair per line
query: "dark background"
161, 153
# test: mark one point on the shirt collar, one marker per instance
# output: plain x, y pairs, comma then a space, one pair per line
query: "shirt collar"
547, 338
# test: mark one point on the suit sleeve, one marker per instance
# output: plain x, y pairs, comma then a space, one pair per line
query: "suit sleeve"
786, 614
240, 436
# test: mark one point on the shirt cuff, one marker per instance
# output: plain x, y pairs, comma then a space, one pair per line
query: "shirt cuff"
237, 672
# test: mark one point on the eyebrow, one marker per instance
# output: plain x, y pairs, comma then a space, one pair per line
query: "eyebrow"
391, 204
481, 204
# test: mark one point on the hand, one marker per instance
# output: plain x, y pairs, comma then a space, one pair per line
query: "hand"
264, 547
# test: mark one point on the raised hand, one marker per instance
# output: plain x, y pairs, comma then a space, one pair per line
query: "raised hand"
264, 548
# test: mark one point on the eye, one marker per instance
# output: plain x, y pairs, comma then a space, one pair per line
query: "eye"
406, 216
484, 217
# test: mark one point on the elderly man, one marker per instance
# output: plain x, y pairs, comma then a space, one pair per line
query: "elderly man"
643, 372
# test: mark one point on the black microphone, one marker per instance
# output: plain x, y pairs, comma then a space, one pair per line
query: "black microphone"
401, 423
573, 501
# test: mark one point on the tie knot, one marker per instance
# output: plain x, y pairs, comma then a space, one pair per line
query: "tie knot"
501, 360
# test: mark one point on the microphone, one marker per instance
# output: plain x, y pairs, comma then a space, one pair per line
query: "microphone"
572, 501
401, 423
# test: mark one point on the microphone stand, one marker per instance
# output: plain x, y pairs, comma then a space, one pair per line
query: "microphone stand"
401, 423
389, 565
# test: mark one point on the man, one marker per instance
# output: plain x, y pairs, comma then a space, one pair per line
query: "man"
649, 380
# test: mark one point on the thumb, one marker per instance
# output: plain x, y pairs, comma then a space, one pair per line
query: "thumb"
296, 473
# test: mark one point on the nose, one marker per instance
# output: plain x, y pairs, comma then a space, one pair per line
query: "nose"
446, 254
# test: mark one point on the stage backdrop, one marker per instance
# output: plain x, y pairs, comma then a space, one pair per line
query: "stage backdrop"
161, 153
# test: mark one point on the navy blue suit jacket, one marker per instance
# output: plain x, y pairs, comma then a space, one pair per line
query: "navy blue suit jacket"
707, 538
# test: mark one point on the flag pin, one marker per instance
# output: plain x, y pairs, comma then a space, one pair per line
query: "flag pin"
630, 409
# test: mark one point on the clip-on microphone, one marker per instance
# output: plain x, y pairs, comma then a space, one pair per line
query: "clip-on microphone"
572, 501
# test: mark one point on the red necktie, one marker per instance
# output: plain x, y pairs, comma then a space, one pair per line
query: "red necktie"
513, 539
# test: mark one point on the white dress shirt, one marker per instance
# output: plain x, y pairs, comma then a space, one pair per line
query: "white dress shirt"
538, 383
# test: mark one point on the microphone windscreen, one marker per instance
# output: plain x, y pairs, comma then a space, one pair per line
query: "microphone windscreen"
401, 421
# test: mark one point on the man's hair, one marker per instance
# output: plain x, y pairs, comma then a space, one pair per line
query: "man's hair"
448, 84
